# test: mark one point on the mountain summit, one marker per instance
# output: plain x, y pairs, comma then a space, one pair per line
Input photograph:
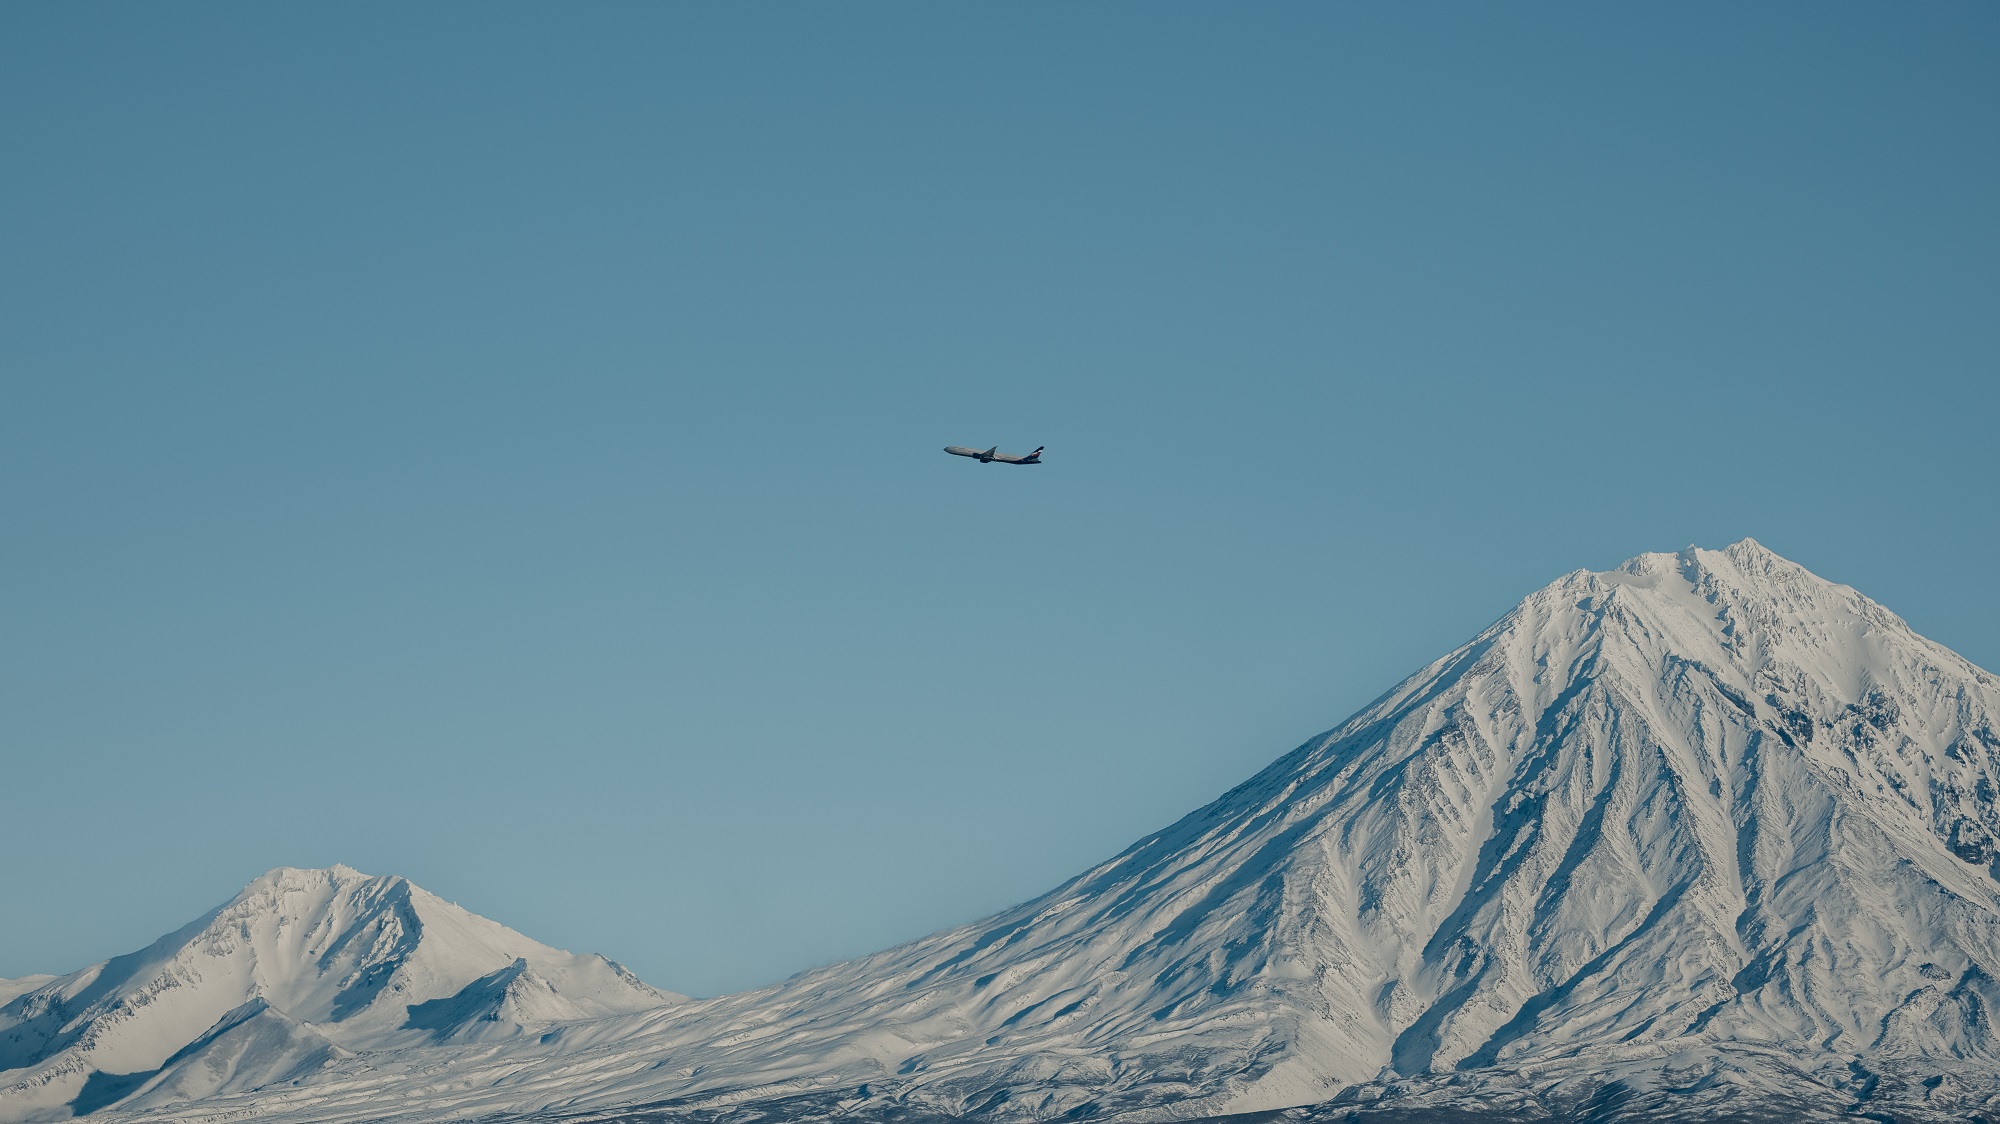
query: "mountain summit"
302, 968
1703, 834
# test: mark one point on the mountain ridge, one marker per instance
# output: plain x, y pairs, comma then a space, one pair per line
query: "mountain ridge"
1702, 834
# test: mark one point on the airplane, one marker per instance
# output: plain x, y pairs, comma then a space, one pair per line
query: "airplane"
994, 454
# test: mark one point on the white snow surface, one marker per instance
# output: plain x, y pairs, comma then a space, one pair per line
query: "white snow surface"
302, 968
11, 988
1704, 827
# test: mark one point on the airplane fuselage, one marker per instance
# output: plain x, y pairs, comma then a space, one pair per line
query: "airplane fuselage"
988, 456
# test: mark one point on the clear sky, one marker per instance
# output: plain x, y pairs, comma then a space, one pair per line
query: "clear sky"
499, 444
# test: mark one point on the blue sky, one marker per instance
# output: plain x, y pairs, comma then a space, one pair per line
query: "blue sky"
500, 444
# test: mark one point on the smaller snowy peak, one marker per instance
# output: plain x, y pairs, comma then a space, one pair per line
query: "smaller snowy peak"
340, 947
501, 1004
299, 959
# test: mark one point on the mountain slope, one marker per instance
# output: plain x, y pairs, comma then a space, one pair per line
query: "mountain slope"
11, 988
1699, 833
301, 967
250, 1047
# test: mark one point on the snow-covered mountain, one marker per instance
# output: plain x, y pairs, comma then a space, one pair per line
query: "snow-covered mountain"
11, 988
302, 968
1703, 834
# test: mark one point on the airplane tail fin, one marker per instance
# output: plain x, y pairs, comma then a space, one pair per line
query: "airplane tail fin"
1036, 455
